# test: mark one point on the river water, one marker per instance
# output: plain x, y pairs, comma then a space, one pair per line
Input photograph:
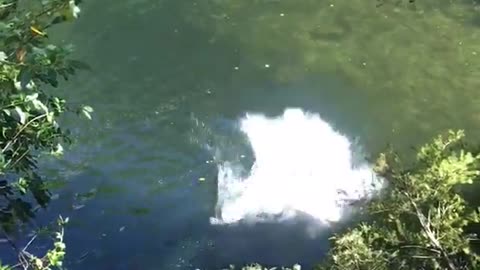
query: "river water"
171, 80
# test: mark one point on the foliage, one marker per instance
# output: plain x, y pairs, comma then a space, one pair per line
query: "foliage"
30, 66
30, 70
419, 221
51, 260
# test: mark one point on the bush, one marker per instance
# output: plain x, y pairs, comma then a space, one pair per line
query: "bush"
30, 68
419, 221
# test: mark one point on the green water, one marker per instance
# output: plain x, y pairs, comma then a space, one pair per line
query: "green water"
398, 73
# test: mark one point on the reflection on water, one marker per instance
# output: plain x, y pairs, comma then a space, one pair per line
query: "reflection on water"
396, 73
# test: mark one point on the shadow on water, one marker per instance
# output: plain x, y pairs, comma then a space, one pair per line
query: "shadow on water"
109, 221
170, 231
269, 243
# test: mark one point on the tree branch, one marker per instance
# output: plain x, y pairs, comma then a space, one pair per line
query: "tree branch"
10, 142
431, 236
420, 247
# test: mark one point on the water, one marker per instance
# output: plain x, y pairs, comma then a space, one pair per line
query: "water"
172, 82
301, 165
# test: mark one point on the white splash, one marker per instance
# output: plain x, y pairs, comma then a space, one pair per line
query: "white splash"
301, 165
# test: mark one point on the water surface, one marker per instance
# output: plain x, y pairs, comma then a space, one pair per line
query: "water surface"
171, 76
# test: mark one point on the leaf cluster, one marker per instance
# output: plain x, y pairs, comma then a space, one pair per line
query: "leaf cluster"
31, 67
419, 220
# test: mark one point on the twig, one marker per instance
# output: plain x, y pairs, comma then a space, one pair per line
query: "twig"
420, 247
29, 243
22, 156
7, 5
13, 155
426, 228
21, 130
421, 257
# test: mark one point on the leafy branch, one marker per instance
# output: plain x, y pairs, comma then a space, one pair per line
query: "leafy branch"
52, 259
419, 220
30, 65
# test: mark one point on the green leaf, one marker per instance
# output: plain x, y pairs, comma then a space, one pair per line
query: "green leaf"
52, 77
2, 159
74, 10
40, 106
20, 115
50, 116
60, 245
58, 150
24, 77
38, 263
5, 267
22, 185
31, 97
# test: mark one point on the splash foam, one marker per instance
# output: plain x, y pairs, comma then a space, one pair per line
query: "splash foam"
302, 165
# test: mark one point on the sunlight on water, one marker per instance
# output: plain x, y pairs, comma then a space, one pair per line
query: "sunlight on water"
301, 166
